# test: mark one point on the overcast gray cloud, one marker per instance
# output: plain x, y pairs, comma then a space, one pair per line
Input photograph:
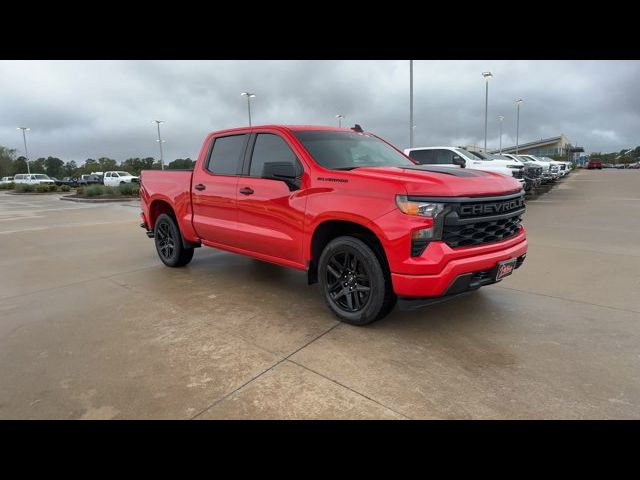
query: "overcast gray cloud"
90, 109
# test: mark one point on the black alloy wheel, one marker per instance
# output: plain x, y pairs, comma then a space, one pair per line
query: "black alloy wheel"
168, 242
355, 281
347, 280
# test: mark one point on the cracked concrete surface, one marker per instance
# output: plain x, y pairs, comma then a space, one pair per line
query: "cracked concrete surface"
92, 326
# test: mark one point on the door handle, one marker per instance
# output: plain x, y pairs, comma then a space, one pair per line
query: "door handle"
200, 187
246, 191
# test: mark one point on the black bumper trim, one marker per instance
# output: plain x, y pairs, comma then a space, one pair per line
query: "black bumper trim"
462, 285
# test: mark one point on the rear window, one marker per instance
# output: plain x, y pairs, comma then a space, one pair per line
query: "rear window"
226, 155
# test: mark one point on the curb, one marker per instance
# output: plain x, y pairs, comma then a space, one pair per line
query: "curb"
33, 193
98, 200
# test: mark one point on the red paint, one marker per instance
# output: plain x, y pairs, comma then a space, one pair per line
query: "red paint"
277, 225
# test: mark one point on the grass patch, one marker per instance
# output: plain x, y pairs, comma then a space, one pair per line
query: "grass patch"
7, 186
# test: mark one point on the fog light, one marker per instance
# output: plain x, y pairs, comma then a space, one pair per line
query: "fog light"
420, 240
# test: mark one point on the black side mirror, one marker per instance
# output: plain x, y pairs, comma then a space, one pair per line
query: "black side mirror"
458, 160
284, 171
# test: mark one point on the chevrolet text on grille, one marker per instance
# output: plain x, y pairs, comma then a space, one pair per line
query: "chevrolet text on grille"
496, 207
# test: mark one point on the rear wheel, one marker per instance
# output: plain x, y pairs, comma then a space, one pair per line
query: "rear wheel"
168, 242
353, 282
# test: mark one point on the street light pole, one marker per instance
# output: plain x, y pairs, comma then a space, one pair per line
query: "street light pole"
249, 96
26, 152
487, 76
410, 103
339, 117
501, 118
158, 122
518, 102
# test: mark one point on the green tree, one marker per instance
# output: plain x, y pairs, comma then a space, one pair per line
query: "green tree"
181, 164
107, 164
37, 166
53, 167
19, 166
70, 169
7, 158
90, 165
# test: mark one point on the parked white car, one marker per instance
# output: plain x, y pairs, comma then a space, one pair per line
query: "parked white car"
114, 179
6, 180
33, 179
458, 157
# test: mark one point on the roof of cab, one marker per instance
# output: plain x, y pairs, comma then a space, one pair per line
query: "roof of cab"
293, 128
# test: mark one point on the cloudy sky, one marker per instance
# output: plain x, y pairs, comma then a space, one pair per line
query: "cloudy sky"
90, 109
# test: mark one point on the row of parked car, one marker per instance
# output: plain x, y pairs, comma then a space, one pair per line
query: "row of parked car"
108, 179
529, 170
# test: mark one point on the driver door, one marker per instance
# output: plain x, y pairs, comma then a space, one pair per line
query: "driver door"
270, 211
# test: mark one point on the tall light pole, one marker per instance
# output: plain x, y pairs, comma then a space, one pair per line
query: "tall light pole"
518, 102
26, 152
411, 126
249, 96
487, 76
501, 118
158, 122
339, 117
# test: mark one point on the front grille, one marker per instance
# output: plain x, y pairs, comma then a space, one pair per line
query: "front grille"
517, 173
481, 232
533, 172
563, 166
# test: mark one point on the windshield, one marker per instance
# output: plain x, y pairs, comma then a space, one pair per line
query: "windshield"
124, 174
504, 157
346, 150
466, 154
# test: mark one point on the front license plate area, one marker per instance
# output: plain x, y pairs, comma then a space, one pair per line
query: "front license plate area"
505, 268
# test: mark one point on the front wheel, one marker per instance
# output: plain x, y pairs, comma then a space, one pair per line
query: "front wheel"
353, 282
169, 243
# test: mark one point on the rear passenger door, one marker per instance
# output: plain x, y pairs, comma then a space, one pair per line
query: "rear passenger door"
214, 190
270, 211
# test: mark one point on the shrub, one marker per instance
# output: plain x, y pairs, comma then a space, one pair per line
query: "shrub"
24, 188
132, 189
53, 187
65, 188
94, 190
80, 190
41, 188
7, 186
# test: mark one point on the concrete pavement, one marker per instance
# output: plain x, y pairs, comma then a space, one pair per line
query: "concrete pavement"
93, 326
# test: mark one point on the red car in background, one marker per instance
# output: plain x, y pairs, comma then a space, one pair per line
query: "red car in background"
593, 164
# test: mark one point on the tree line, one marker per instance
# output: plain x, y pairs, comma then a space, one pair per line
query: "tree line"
10, 165
623, 156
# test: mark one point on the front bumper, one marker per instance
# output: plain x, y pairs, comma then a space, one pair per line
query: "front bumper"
439, 283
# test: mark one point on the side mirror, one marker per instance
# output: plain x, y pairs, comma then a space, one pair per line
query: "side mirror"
458, 160
284, 171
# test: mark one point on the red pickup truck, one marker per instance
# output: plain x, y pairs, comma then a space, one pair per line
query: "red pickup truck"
359, 216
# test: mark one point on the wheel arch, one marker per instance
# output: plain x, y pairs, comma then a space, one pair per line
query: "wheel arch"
327, 230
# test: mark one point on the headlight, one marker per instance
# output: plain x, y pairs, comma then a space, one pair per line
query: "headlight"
421, 209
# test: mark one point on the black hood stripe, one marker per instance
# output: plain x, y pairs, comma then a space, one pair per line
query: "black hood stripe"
456, 172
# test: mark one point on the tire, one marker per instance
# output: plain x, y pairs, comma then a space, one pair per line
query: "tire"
354, 283
168, 242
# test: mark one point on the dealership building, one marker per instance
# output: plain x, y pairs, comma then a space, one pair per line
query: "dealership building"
546, 147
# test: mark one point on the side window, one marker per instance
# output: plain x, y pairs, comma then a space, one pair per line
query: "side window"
423, 157
226, 155
108, 175
444, 157
269, 149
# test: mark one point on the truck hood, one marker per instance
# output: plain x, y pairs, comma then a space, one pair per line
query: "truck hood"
428, 180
